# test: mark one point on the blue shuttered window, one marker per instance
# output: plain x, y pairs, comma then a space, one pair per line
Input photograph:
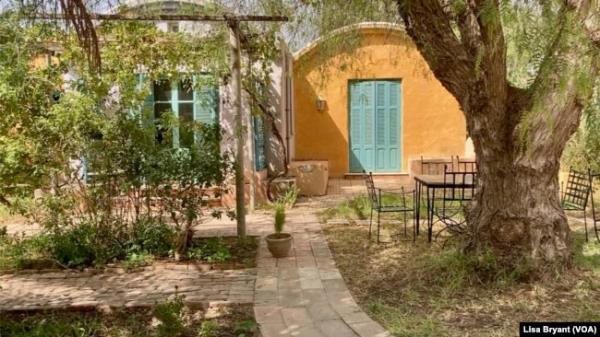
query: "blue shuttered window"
186, 103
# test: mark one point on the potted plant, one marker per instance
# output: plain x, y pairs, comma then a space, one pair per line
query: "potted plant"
278, 243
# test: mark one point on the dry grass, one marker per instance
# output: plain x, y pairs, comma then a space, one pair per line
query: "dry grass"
424, 290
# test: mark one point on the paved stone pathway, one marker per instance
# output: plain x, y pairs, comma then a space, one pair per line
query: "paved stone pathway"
305, 294
114, 288
301, 295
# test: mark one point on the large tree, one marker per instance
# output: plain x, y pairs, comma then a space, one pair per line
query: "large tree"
519, 133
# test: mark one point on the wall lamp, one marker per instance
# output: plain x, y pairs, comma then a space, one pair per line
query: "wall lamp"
321, 103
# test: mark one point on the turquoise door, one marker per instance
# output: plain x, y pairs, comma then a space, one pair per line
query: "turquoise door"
375, 126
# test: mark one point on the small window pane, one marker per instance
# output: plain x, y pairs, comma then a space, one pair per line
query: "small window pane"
161, 132
186, 90
173, 27
160, 108
186, 118
162, 91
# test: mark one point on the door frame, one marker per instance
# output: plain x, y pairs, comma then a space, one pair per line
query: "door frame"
401, 120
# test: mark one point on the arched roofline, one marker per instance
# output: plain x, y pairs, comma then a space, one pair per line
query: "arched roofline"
383, 27
132, 4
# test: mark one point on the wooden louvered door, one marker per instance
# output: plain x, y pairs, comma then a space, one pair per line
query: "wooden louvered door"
375, 117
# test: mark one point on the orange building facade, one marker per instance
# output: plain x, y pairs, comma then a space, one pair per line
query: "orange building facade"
376, 108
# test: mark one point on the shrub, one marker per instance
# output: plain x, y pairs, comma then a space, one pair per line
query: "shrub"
245, 328
211, 250
208, 329
97, 243
170, 314
75, 246
152, 236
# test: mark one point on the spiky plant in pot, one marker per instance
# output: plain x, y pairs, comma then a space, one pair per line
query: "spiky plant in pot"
279, 243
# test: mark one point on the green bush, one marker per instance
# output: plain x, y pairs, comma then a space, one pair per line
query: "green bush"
211, 250
245, 328
96, 244
209, 329
86, 244
170, 314
150, 235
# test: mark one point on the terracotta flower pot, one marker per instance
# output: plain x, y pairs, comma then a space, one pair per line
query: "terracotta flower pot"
279, 244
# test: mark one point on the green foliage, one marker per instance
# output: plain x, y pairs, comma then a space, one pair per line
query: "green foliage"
167, 319
135, 260
587, 255
211, 250
312, 19
583, 150
18, 252
89, 244
99, 118
279, 217
245, 328
401, 322
209, 329
76, 247
454, 269
50, 326
170, 314
153, 236
86, 244
288, 199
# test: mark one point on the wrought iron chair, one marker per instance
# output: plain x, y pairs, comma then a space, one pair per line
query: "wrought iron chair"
595, 215
458, 193
387, 201
466, 164
435, 166
576, 194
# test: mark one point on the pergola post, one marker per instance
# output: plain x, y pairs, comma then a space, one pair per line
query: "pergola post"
236, 88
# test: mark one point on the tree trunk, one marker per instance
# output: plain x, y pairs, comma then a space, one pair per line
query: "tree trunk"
517, 213
519, 134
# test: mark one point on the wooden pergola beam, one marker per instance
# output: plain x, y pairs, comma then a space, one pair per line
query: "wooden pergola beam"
169, 17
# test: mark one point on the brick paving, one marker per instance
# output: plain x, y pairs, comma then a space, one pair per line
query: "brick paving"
305, 294
116, 287
301, 295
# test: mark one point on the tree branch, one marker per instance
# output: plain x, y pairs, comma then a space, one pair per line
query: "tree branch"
493, 64
429, 26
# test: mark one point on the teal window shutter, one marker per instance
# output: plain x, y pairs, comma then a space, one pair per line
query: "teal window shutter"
145, 112
147, 108
206, 105
259, 143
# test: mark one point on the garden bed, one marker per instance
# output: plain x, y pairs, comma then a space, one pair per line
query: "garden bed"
170, 319
423, 289
214, 253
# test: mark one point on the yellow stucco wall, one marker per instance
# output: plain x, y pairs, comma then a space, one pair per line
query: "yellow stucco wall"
432, 122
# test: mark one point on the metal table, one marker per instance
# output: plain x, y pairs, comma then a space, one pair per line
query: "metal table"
431, 184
